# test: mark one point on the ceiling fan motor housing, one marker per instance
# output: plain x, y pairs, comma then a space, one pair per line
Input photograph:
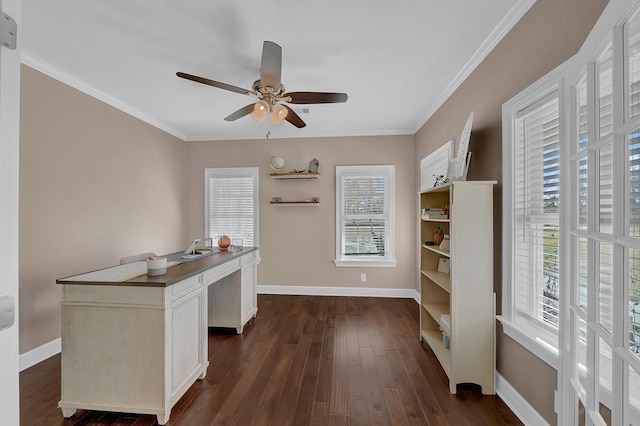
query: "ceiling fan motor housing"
269, 94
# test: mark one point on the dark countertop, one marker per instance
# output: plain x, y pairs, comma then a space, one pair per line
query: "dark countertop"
174, 273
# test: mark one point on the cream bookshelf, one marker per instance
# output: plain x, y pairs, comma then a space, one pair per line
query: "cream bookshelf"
466, 292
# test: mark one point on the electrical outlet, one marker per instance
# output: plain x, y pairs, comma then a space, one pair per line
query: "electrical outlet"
363, 278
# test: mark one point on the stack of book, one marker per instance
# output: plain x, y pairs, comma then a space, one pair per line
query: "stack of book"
434, 214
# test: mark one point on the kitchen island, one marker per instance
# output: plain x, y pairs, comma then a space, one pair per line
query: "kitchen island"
135, 343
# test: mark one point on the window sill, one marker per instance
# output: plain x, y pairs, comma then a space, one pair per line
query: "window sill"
527, 337
362, 263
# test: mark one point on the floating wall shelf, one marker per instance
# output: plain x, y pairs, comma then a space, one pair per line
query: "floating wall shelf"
276, 201
293, 175
307, 203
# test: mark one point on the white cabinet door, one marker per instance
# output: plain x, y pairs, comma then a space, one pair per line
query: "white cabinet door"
249, 300
187, 341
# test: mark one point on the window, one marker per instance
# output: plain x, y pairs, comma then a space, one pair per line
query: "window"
582, 289
231, 203
364, 216
534, 192
435, 166
603, 234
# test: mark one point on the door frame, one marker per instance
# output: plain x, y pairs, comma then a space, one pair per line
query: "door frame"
9, 176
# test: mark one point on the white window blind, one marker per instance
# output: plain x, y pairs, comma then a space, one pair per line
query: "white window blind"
536, 213
364, 215
364, 225
232, 207
605, 101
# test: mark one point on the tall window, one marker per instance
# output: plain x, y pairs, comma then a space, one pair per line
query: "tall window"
587, 288
364, 215
604, 287
534, 190
231, 203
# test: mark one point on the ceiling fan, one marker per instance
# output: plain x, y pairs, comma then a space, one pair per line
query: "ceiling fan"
270, 92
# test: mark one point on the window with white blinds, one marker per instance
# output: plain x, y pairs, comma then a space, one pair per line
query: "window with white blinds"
231, 200
535, 189
593, 301
364, 215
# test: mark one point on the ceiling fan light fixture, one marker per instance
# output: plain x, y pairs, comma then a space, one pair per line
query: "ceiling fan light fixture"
277, 114
260, 110
268, 92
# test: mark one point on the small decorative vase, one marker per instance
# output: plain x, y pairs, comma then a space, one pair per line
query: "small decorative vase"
437, 238
224, 242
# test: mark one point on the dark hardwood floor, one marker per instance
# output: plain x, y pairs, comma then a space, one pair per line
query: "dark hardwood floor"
305, 360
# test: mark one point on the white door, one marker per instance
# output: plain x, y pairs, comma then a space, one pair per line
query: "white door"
9, 144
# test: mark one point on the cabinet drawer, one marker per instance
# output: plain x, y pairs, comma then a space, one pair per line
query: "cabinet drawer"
185, 286
213, 275
112, 295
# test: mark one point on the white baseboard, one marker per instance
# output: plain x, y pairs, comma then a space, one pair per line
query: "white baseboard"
40, 353
405, 293
520, 406
54, 347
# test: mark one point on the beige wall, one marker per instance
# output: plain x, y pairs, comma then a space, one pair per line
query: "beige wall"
551, 32
95, 184
298, 243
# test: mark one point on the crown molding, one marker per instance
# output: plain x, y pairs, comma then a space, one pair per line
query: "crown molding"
84, 87
294, 134
502, 29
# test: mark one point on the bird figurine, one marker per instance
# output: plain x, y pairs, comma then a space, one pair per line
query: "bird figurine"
313, 165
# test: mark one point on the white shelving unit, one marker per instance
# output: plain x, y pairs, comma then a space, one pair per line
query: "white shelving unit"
466, 292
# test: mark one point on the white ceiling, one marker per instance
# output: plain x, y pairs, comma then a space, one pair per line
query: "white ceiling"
397, 60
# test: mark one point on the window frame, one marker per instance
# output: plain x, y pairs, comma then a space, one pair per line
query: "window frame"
388, 172
231, 172
538, 338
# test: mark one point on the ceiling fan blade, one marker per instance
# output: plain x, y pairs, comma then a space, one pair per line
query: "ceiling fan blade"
245, 110
315, 97
214, 83
294, 118
271, 65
